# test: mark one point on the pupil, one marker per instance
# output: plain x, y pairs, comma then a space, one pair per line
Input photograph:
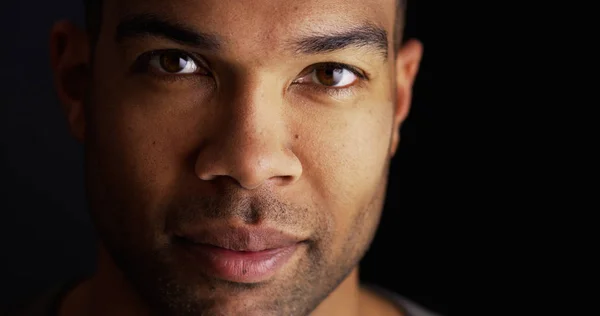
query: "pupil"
173, 62
329, 76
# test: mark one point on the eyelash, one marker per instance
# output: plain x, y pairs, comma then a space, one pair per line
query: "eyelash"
142, 65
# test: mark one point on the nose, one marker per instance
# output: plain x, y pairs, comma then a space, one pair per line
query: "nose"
251, 143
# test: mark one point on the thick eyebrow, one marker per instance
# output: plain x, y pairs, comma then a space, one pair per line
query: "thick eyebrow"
148, 24
367, 35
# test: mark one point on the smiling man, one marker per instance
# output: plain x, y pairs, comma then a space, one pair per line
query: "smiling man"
236, 152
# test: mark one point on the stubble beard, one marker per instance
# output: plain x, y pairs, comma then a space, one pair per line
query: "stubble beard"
154, 273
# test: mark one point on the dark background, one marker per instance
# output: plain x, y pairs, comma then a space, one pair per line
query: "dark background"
46, 235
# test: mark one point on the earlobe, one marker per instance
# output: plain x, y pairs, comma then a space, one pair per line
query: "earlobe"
69, 57
408, 61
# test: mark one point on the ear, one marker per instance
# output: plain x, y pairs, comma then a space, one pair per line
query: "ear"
408, 60
69, 54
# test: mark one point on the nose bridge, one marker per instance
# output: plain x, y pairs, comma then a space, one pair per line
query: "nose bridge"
255, 124
254, 134
256, 112
252, 144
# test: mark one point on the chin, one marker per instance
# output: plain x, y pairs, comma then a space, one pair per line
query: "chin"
215, 302
239, 307
190, 292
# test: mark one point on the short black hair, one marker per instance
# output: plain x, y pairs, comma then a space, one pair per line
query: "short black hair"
93, 19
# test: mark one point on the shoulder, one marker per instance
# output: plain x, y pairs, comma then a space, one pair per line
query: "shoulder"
406, 306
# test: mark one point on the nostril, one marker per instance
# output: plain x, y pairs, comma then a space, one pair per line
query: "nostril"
283, 180
207, 177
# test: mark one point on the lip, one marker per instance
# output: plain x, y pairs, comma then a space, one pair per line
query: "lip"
240, 238
239, 254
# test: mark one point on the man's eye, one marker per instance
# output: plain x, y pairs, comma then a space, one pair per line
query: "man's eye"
331, 75
173, 62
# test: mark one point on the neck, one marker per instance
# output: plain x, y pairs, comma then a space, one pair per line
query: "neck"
109, 293
344, 300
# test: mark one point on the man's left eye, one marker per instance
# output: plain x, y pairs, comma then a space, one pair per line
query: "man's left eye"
335, 76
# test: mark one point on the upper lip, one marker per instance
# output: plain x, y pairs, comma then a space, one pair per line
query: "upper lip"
240, 238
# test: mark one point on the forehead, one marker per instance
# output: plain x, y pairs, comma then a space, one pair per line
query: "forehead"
269, 20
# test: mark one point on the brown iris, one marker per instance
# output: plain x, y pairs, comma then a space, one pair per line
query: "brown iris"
329, 76
173, 62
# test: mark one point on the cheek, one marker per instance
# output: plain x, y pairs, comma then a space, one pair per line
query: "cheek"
344, 159
142, 141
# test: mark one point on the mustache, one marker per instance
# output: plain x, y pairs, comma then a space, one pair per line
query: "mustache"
235, 206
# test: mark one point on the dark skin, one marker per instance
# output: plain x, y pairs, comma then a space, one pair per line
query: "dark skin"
244, 121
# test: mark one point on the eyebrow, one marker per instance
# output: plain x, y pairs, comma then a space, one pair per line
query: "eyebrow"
148, 24
367, 35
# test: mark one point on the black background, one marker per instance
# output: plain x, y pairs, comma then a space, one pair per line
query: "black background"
46, 233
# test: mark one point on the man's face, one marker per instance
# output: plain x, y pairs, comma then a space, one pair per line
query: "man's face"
240, 125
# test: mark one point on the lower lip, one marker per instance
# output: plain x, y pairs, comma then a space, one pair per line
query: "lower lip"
241, 266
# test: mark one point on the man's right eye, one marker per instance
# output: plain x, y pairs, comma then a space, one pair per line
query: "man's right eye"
171, 62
